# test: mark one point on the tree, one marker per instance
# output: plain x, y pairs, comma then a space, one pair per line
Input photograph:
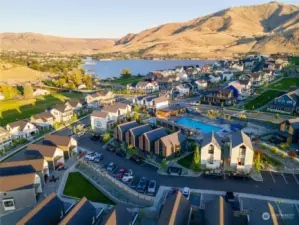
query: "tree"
137, 116
74, 117
136, 108
77, 77
88, 82
74, 130
234, 105
56, 125
277, 115
9, 92
196, 159
106, 137
128, 116
126, 73
257, 161
28, 91
222, 104
163, 164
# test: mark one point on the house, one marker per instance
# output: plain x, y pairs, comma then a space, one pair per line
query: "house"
62, 113
240, 89
287, 103
44, 120
5, 139
138, 100
119, 216
182, 76
238, 67
82, 213
39, 92
214, 78
207, 68
102, 97
49, 211
179, 69
201, 84
52, 154
210, 156
176, 210
147, 87
241, 152
75, 105
19, 188
148, 139
22, 129
67, 144
170, 145
121, 129
39, 165
133, 134
170, 111
118, 111
227, 75
257, 79
166, 82
289, 130
218, 97
181, 90
101, 121
153, 102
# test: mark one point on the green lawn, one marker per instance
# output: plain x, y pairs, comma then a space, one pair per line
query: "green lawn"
127, 80
13, 110
285, 84
262, 100
79, 187
294, 60
186, 161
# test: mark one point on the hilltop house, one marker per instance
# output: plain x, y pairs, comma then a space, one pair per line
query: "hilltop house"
211, 151
240, 89
132, 135
62, 113
289, 130
170, 145
287, 103
5, 139
67, 144
121, 129
147, 140
44, 120
19, 188
22, 129
52, 154
241, 152
49, 211
103, 97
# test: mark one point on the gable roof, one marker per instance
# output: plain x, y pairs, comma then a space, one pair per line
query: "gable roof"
173, 139
137, 131
175, 211
17, 182
99, 93
142, 83
20, 123
118, 216
37, 164
294, 122
47, 210
211, 138
43, 116
160, 99
126, 126
218, 212
115, 107
16, 170
100, 114
240, 137
44, 150
57, 140
82, 213
156, 134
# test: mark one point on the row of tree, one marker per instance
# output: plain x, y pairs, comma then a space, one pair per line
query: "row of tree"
10, 92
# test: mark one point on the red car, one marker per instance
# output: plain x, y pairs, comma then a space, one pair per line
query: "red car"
121, 173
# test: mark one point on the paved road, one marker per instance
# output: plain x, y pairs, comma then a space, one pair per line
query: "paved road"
281, 185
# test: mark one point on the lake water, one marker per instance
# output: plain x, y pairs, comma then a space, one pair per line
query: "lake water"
106, 69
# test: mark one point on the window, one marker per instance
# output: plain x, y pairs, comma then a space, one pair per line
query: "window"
211, 149
211, 159
8, 204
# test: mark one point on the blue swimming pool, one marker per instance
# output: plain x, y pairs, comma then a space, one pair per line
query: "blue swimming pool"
205, 128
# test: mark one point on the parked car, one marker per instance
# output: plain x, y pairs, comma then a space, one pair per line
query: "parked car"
110, 148
152, 186
98, 158
111, 166
94, 156
186, 192
173, 169
229, 196
61, 167
53, 178
212, 174
141, 186
80, 134
137, 159
121, 173
121, 153
235, 175
96, 137
91, 154
127, 176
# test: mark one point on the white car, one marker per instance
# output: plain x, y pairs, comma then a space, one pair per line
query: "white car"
127, 176
80, 134
88, 155
186, 192
152, 186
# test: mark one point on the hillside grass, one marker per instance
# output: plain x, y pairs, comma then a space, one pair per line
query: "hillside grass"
13, 110
262, 100
125, 81
285, 83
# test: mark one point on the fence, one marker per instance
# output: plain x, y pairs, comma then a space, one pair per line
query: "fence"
149, 200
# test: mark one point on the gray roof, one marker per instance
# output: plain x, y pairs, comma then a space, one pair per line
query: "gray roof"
156, 134
115, 107
294, 122
137, 131
16, 170
126, 126
240, 137
118, 216
211, 138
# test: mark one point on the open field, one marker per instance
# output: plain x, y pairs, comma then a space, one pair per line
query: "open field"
127, 80
262, 100
78, 186
13, 110
285, 84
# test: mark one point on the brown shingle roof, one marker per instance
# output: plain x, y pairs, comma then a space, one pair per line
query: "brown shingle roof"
68, 217
58, 140
172, 139
10, 183
37, 164
19, 123
44, 150
99, 114
62, 108
35, 210
73, 103
160, 99
115, 107
43, 115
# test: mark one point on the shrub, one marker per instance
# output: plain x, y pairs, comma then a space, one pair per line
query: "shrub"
274, 149
284, 146
106, 137
263, 146
282, 155
292, 154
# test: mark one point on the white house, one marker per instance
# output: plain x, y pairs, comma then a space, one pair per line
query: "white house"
22, 129
238, 67
138, 100
62, 113
75, 105
147, 87
102, 97
117, 111
157, 103
101, 121
82, 86
5, 139
201, 84
183, 90
227, 75
257, 79
241, 152
39, 92
44, 120
211, 151
214, 78
182, 76
179, 69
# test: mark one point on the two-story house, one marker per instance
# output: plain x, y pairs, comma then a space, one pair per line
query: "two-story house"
62, 113
214, 78
22, 129
118, 111
76, 106
5, 139
201, 84
101, 121
133, 134
240, 89
289, 130
44, 120
153, 102
148, 139
211, 151
121, 129
102, 97
257, 79
287, 103
147, 87
218, 97
227, 76
40, 92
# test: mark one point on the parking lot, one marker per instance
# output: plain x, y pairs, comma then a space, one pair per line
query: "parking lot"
281, 179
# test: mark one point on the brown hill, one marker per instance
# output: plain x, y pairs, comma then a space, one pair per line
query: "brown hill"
45, 43
265, 28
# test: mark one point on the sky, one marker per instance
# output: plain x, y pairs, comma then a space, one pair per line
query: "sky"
105, 18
